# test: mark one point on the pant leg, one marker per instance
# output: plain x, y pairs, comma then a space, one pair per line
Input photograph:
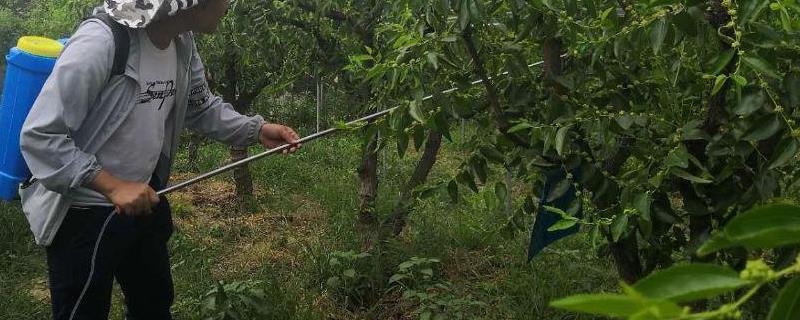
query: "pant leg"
69, 262
144, 274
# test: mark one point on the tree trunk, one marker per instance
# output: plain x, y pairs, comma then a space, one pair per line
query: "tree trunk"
626, 256
241, 175
368, 178
626, 250
551, 54
397, 221
700, 224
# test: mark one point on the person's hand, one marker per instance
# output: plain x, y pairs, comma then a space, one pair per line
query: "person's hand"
129, 198
133, 198
275, 135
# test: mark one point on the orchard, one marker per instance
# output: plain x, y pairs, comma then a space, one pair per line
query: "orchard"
545, 159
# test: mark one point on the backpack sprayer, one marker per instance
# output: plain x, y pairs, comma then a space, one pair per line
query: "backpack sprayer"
29, 65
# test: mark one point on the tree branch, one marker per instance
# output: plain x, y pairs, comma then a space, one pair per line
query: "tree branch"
491, 92
247, 98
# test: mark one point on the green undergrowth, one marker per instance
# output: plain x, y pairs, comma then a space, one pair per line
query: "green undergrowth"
295, 242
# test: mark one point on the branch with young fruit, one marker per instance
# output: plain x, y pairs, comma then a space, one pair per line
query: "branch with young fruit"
664, 295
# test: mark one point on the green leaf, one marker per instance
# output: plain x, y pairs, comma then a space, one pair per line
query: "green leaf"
397, 278
562, 213
749, 103
659, 310
618, 226
500, 190
721, 61
685, 23
753, 10
452, 190
764, 128
433, 59
787, 305
560, 138
785, 151
350, 273
717, 242
718, 83
559, 190
479, 168
476, 11
689, 282
642, 204
688, 176
740, 81
658, 33
624, 121
769, 226
333, 282
519, 127
678, 157
611, 305
415, 112
402, 144
491, 153
464, 14
562, 224
761, 66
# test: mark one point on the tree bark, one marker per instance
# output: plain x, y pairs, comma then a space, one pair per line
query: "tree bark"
626, 255
397, 221
492, 97
241, 175
626, 250
551, 54
700, 225
368, 181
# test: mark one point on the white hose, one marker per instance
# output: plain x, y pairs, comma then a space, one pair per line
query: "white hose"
91, 268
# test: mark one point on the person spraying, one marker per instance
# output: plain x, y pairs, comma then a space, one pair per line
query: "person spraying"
99, 141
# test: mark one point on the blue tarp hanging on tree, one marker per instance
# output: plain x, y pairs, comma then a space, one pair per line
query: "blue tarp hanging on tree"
540, 237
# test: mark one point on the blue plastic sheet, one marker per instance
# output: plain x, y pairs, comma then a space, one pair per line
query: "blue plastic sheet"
540, 237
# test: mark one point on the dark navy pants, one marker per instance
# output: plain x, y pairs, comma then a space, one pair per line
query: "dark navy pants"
133, 251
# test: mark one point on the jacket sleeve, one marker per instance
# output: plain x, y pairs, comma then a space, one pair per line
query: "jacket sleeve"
208, 115
79, 75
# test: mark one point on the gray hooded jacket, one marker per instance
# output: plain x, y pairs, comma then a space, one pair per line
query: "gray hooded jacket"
80, 107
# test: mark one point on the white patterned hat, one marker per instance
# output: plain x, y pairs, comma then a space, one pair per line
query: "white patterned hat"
139, 13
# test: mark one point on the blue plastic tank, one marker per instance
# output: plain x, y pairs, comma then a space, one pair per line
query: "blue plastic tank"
28, 66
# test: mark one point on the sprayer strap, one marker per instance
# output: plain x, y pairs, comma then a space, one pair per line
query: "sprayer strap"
121, 42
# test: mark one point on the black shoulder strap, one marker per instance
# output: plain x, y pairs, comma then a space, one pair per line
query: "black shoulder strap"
121, 42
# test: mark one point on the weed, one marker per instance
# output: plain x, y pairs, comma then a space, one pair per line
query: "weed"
244, 300
433, 298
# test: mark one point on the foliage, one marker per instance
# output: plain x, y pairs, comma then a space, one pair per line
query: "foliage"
241, 300
350, 278
246, 55
669, 113
658, 296
56, 19
432, 297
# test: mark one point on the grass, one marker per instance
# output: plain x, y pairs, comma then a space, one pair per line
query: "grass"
304, 208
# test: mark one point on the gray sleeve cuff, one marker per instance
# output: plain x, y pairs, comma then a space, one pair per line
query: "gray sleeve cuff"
255, 129
94, 170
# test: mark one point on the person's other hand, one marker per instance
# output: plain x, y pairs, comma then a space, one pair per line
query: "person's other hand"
275, 135
129, 198
133, 198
